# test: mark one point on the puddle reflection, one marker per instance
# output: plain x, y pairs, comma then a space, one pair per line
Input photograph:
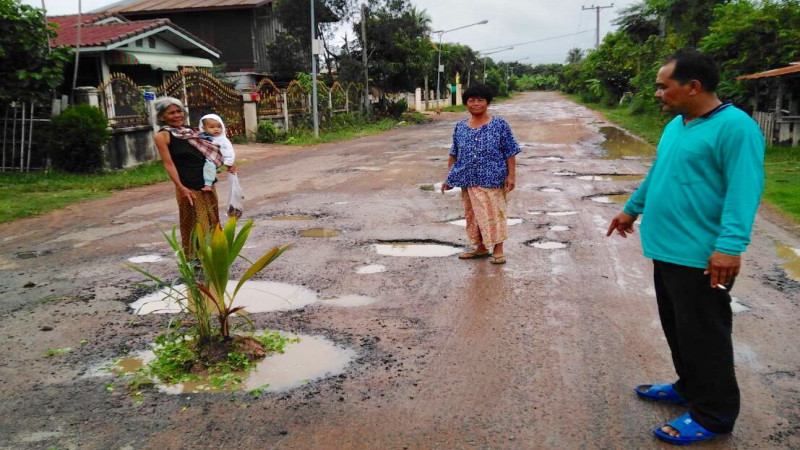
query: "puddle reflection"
792, 257
619, 145
611, 177
320, 232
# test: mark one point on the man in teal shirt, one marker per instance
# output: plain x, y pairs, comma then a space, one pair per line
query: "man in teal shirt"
698, 204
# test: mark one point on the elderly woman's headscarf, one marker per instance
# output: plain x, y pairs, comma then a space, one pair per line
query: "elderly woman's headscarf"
161, 104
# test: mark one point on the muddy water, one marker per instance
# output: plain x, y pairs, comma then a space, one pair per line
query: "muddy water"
310, 359
559, 228
620, 145
792, 257
463, 222
416, 249
550, 190
253, 297
145, 259
561, 213
611, 198
370, 269
320, 232
548, 245
611, 177
291, 217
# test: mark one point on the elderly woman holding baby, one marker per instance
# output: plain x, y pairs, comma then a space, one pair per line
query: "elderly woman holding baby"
185, 153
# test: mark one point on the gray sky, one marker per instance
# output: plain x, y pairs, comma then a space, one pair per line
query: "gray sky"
510, 22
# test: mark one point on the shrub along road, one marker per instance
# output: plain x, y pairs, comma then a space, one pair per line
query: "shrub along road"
540, 353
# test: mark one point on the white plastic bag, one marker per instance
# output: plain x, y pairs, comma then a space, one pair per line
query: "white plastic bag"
236, 198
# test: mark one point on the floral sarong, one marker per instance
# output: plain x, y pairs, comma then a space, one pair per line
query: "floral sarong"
205, 212
485, 212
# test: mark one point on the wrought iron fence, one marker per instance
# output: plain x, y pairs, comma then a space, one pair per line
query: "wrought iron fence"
122, 102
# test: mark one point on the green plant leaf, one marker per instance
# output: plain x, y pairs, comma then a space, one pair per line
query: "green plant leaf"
259, 265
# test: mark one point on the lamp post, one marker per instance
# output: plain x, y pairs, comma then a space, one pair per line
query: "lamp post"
439, 68
512, 72
491, 53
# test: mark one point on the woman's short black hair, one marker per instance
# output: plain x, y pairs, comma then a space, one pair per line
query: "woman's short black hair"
691, 64
478, 91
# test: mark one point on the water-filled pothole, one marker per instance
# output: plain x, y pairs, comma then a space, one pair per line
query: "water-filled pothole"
561, 213
550, 189
145, 259
616, 198
546, 245
253, 297
509, 222
424, 249
32, 254
558, 228
320, 232
565, 173
547, 158
611, 177
737, 306
310, 359
292, 217
792, 257
370, 269
619, 145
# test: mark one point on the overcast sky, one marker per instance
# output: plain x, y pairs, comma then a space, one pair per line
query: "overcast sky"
510, 22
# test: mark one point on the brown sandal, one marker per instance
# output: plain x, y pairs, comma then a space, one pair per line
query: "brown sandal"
499, 259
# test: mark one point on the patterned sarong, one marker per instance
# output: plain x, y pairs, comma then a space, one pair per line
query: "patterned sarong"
205, 212
485, 212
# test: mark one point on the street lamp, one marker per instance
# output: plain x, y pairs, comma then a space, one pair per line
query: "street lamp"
491, 53
439, 68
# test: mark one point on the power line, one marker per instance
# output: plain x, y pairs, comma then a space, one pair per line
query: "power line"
537, 40
597, 30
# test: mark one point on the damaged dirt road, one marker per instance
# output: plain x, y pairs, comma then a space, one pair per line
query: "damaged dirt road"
543, 352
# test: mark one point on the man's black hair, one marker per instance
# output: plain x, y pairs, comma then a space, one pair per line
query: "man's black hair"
691, 64
478, 91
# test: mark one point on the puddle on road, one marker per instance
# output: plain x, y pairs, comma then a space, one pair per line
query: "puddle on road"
611, 198
619, 145
145, 259
550, 189
561, 213
292, 217
437, 187
737, 306
416, 249
31, 254
463, 222
320, 232
313, 358
370, 269
559, 228
254, 297
792, 257
349, 300
565, 173
611, 177
547, 245
547, 158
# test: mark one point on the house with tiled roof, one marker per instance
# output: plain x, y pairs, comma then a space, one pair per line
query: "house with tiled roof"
147, 51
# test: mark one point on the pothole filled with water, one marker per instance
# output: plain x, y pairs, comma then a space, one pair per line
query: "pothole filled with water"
145, 259
423, 249
31, 254
612, 177
320, 232
547, 158
565, 173
558, 228
544, 244
309, 359
253, 297
619, 145
370, 269
509, 222
737, 306
615, 198
550, 189
561, 213
292, 217
792, 257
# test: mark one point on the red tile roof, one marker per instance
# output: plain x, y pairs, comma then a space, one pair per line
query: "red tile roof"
183, 5
772, 73
100, 35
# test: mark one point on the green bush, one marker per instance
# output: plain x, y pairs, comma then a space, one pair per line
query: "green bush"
385, 107
267, 132
345, 121
76, 139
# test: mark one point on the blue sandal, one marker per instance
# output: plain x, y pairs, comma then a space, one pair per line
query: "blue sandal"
690, 431
660, 392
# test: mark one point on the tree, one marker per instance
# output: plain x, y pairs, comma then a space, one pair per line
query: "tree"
574, 55
28, 69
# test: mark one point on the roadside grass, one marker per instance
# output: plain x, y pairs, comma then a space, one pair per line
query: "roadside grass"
781, 164
306, 137
33, 193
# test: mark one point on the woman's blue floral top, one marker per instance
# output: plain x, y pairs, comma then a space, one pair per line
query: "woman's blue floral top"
481, 154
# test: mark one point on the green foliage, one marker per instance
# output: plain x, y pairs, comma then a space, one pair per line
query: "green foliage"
76, 139
782, 187
536, 82
267, 132
45, 191
57, 351
386, 107
29, 71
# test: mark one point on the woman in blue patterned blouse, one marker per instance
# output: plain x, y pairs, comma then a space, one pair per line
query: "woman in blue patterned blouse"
482, 163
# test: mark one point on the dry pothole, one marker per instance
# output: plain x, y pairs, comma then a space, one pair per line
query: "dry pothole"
416, 248
544, 244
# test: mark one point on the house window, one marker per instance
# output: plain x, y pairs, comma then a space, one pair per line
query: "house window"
139, 43
152, 42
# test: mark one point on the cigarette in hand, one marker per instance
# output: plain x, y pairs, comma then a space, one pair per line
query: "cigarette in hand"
719, 286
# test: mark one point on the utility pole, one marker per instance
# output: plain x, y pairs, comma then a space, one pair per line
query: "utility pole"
77, 56
314, 51
597, 30
364, 58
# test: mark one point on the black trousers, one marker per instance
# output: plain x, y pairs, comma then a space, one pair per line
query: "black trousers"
697, 321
